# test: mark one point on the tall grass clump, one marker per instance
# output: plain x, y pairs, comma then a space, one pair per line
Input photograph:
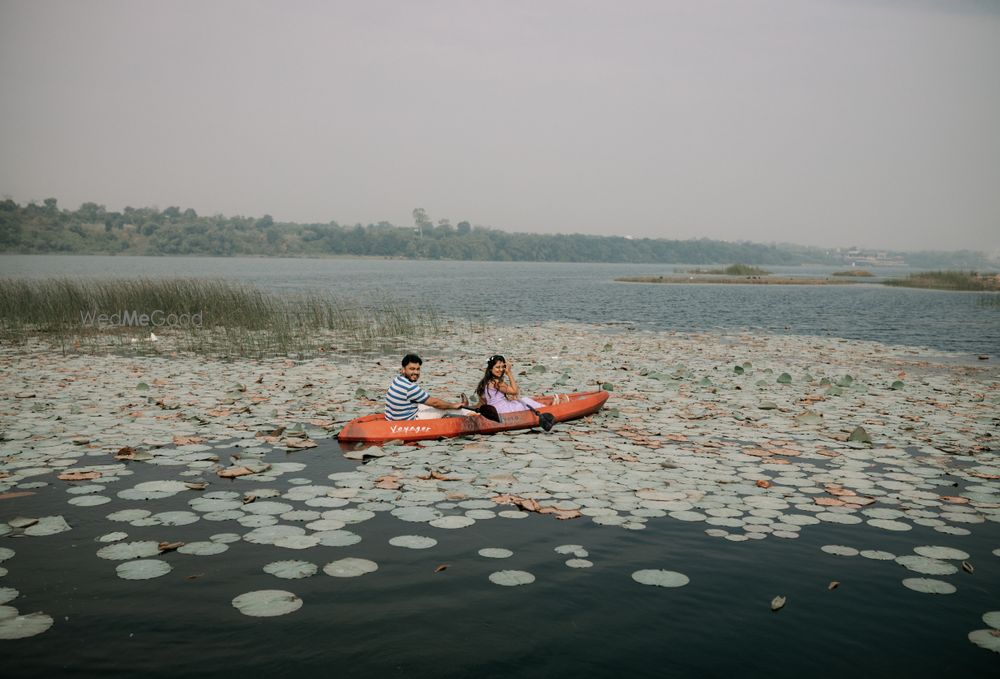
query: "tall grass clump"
948, 280
733, 270
204, 316
745, 270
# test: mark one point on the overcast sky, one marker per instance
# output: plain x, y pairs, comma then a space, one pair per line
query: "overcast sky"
822, 122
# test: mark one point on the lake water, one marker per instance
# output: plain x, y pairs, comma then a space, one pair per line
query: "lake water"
522, 292
408, 619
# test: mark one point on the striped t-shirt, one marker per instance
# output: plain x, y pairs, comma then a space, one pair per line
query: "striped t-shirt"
402, 398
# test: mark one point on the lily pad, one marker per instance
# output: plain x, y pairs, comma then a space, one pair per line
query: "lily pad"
113, 537
495, 553
452, 522
350, 567
839, 550
203, 548
412, 541
946, 553
48, 525
984, 638
291, 570
143, 569
267, 603
660, 578
338, 538
129, 550
860, 435
925, 565
511, 578
877, 555
24, 626
929, 586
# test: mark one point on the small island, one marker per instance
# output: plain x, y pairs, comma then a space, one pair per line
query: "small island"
741, 274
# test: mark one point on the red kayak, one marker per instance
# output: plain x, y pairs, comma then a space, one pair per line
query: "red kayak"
375, 428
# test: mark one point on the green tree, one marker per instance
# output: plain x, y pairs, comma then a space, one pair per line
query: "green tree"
422, 222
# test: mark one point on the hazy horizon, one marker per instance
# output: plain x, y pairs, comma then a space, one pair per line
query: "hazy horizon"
830, 123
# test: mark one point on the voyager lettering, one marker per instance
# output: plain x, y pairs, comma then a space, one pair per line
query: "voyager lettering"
397, 429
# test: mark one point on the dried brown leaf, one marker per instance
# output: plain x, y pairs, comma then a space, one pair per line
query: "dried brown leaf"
79, 476
18, 493
233, 472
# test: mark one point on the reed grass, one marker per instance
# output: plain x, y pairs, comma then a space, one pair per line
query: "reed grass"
948, 280
236, 320
733, 270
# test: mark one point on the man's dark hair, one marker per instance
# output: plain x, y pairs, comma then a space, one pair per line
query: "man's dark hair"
411, 358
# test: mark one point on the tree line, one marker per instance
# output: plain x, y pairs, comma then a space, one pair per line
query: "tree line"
92, 229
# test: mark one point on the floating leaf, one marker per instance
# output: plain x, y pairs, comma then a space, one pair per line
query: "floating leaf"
350, 567
48, 525
291, 570
79, 476
660, 578
925, 565
877, 555
143, 569
777, 603
495, 553
452, 522
834, 584
839, 550
860, 435
203, 548
442, 567
511, 578
24, 626
935, 552
267, 603
809, 418
986, 638
412, 541
929, 586
129, 550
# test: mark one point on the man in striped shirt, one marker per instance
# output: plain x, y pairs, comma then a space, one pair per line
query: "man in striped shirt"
406, 401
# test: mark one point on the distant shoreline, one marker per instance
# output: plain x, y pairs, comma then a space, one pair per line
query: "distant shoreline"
737, 280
